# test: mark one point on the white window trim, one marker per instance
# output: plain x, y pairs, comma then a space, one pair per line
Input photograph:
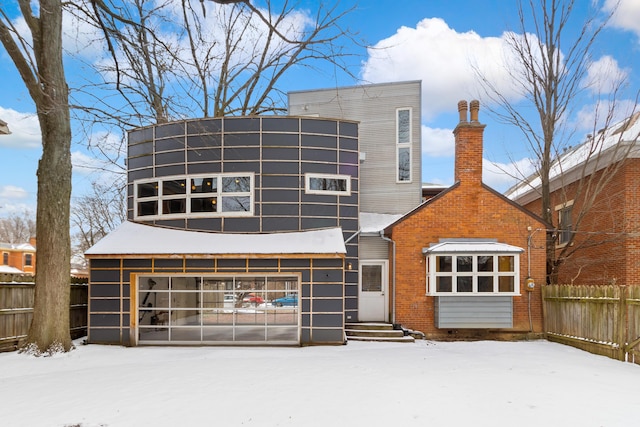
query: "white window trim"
408, 145
187, 197
309, 176
430, 266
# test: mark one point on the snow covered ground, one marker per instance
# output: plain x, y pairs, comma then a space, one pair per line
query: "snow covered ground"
362, 384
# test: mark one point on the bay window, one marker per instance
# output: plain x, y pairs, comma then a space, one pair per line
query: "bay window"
473, 268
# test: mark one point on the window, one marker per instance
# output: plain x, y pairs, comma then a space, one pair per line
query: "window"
28, 259
403, 144
565, 225
328, 184
5, 258
194, 196
480, 268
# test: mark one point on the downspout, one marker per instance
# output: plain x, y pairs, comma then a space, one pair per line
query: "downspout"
393, 275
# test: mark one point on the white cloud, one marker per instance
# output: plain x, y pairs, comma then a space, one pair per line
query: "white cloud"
445, 60
13, 192
501, 176
627, 14
437, 142
604, 76
593, 117
24, 127
85, 164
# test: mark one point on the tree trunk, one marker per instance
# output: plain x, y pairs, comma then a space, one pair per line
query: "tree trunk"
50, 325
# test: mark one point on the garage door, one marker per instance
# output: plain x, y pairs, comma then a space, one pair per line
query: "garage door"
218, 309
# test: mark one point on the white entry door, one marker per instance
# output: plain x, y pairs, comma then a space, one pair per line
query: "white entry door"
373, 305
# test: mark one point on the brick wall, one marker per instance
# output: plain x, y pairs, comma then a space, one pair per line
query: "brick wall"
467, 210
606, 248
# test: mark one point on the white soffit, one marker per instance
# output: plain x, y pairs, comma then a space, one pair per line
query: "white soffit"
471, 247
139, 239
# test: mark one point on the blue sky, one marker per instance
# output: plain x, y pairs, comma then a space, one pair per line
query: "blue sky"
436, 41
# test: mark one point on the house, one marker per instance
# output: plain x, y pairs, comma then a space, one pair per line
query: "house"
594, 191
18, 259
468, 263
284, 229
230, 218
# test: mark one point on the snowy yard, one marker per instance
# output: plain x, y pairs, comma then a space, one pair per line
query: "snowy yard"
362, 384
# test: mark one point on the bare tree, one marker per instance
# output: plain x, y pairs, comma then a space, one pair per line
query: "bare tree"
171, 59
96, 214
17, 228
38, 58
550, 70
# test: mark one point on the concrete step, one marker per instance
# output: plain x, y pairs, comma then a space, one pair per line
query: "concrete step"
403, 339
369, 325
371, 331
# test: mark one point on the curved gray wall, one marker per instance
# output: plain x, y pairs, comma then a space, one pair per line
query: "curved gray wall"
278, 150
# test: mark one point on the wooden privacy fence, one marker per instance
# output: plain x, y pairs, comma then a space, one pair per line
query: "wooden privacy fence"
16, 312
603, 319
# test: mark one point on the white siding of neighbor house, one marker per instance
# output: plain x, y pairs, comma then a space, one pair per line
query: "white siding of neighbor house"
374, 106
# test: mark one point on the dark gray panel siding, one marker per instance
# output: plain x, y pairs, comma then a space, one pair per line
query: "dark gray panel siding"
278, 150
321, 291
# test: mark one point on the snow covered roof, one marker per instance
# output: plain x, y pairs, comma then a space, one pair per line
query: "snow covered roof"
374, 223
472, 246
611, 145
138, 239
25, 247
5, 269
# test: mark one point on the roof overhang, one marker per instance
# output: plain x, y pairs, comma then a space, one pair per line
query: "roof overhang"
138, 239
6, 269
466, 247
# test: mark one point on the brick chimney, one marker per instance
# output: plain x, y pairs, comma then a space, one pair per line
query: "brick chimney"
468, 136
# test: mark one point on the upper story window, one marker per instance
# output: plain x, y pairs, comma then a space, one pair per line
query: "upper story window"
474, 273
327, 184
403, 144
28, 260
565, 224
5, 258
194, 196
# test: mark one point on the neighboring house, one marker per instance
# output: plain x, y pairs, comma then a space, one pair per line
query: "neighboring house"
464, 258
227, 215
4, 128
604, 247
18, 259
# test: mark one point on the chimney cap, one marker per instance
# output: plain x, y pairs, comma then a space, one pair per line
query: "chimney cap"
462, 110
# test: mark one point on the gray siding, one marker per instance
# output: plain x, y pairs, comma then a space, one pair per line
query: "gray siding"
322, 291
474, 312
375, 107
278, 150
373, 248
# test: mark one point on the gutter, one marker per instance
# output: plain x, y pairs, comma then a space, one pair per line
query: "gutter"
393, 275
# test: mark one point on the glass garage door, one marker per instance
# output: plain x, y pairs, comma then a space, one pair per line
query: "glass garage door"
218, 309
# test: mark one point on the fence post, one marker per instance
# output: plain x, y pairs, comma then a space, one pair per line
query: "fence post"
543, 295
621, 335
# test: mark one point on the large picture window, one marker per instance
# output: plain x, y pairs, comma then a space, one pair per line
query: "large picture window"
403, 144
473, 273
194, 196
